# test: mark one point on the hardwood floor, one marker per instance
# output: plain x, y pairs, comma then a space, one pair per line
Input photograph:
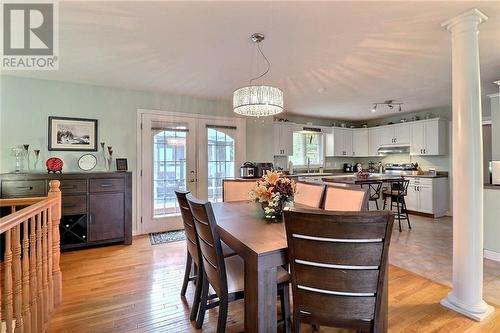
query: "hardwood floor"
136, 289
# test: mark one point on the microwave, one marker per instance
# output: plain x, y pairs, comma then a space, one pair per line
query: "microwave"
495, 172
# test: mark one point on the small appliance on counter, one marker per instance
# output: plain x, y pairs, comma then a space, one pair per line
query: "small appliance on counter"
348, 167
402, 168
247, 170
262, 168
371, 167
495, 172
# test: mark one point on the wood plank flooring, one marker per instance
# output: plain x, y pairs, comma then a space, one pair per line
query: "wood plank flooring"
136, 289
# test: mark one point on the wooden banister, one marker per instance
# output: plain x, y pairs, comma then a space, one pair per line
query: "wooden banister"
31, 273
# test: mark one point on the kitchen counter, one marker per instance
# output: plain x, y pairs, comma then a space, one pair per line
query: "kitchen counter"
353, 180
439, 175
491, 187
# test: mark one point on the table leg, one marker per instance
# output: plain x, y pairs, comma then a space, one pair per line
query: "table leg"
260, 299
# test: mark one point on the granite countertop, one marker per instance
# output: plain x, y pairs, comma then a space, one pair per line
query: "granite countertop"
426, 175
355, 180
492, 187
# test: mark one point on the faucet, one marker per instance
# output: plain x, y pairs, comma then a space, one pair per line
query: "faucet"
308, 165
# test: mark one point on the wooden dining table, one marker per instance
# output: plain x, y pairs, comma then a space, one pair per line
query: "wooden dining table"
263, 246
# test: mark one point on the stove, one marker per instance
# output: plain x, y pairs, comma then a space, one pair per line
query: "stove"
401, 168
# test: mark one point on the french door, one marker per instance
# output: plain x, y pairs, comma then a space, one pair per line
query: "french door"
180, 152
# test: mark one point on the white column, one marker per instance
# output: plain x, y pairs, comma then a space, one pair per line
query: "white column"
466, 296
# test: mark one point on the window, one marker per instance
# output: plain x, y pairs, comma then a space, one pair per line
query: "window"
307, 145
221, 148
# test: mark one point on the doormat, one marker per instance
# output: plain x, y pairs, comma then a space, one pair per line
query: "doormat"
166, 237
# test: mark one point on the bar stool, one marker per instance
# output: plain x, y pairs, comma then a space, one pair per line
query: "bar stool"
397, 193
374, 193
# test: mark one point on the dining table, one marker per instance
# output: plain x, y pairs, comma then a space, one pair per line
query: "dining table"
263, 246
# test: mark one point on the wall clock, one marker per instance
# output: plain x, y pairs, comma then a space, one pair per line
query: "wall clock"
87, 162
54, 164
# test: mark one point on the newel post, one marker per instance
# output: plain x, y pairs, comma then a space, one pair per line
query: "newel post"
55, 193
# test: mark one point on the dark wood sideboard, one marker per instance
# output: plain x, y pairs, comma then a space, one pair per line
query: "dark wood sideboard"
96, 207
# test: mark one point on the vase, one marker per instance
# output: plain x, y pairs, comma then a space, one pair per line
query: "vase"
273, 214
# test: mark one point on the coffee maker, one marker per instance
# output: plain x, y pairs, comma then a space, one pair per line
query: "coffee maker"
348, 167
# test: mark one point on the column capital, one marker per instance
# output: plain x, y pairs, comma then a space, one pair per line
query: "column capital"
474, 16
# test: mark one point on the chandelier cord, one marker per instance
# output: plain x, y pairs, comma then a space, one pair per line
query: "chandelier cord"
268, 64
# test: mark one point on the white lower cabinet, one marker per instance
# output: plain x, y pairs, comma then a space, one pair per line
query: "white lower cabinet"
428, 195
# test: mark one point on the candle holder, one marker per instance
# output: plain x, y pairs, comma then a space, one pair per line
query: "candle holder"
36, 153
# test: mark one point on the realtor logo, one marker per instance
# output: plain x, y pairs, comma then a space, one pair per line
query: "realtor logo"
29, 36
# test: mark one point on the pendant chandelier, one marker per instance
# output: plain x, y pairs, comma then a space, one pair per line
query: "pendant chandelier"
258, 100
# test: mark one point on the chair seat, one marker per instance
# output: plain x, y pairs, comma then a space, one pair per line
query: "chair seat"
235, 272
394, 193
226, 250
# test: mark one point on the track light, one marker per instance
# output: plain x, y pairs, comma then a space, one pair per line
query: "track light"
374, 109
399, 108
390, 104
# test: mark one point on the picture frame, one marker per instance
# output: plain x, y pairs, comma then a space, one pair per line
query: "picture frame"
72, 134
121, 164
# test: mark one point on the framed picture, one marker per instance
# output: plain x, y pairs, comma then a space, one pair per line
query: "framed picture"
121, 164
75, 134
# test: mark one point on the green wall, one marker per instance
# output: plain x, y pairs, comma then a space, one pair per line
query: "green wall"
495, 127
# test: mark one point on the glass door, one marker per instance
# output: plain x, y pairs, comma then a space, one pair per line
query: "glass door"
169, 164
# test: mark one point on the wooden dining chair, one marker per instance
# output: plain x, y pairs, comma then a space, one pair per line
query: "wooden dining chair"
224, 275
338, 264
345, 198
193, 264
309, 194
236, 189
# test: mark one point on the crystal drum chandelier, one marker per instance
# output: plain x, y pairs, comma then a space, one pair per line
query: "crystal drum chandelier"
258, 100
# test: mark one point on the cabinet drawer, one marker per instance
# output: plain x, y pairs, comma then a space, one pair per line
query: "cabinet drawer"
107, 185
23, 188
74, 204
73, 186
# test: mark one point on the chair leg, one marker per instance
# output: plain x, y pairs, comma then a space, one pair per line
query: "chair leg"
406, 212
221, 322
399, 212
296, 321
376, 204
315, 327
385, 202
197, 295
203, 303
187, 273
284, 293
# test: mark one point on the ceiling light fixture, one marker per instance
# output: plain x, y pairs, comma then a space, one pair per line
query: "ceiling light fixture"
258, 100
390, 105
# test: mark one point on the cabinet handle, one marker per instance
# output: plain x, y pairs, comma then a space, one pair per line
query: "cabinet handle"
69, 205
106, 185
425, 152
24, 187
67, 187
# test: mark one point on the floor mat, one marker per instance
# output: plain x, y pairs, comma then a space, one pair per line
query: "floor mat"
166, 237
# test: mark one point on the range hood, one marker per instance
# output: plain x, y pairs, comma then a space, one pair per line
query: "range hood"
393, 149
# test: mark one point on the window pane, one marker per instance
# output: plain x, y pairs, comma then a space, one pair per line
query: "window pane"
220, 162
307, 146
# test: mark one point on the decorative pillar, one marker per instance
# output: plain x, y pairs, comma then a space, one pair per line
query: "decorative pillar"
466, 296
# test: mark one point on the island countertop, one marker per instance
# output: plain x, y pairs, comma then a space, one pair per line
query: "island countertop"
353, 180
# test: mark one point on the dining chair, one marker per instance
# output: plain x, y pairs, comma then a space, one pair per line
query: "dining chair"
193, 264
397, 192
309, 194
224, 275
345, 198
338, 264
236, 189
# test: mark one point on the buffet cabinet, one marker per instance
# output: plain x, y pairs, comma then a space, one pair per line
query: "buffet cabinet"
96, 207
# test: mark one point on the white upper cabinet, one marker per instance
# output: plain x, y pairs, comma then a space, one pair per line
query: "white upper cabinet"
429, 137
339, 143
402, 133
360, 141
283, 139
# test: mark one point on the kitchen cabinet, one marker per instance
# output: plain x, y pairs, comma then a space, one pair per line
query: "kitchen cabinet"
283, 139
394, 134
428, 195
360, 142
106, 216
339, 143
429, 137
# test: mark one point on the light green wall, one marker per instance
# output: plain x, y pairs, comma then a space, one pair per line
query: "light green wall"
495, 127
491, 221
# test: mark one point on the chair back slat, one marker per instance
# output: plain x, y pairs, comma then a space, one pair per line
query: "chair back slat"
236, 189
309, 194
345, 198
187, 220
337, 261
208, 238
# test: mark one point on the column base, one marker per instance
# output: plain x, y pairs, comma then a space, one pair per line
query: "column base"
477, 313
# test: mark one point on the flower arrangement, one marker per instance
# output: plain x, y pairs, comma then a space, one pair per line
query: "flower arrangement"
272, 191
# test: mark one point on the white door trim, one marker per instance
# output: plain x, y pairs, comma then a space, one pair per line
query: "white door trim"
138, 178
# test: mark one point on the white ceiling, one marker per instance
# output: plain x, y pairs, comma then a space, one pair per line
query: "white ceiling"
332, 59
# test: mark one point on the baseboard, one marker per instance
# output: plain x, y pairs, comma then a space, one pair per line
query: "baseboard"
492, 255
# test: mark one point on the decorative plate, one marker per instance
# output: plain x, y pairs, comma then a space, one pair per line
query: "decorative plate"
87, 162
54, 164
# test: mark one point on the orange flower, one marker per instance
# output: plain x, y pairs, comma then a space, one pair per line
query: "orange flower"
272, 177
263, 193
